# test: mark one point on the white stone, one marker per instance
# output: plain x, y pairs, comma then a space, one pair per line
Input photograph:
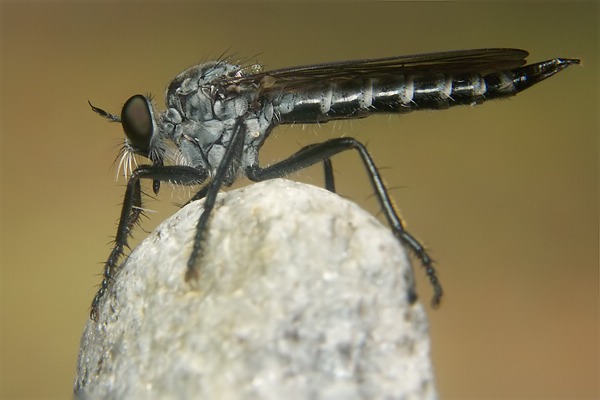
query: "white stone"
301, 295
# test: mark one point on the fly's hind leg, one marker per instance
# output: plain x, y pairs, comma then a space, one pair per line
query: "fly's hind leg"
329, 180
322, 152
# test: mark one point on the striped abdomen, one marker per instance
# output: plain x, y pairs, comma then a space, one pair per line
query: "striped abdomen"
360, 97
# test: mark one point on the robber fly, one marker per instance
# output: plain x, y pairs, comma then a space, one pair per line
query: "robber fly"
219, 114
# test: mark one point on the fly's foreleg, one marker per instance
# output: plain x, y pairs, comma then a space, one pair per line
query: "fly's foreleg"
131, 212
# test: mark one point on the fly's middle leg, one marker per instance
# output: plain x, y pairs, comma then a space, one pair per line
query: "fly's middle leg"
209, 194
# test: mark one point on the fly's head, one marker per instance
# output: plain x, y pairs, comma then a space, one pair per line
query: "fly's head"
141, 133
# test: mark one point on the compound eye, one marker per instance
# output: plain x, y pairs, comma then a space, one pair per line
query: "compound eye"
138, 123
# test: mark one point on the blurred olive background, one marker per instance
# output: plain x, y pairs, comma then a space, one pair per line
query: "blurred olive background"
505, 195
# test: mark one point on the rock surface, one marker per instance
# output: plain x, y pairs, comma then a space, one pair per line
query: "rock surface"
301, 295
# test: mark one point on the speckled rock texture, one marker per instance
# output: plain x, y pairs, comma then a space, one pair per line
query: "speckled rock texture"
301, 295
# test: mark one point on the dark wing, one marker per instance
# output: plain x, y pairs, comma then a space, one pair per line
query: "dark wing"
462, 61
